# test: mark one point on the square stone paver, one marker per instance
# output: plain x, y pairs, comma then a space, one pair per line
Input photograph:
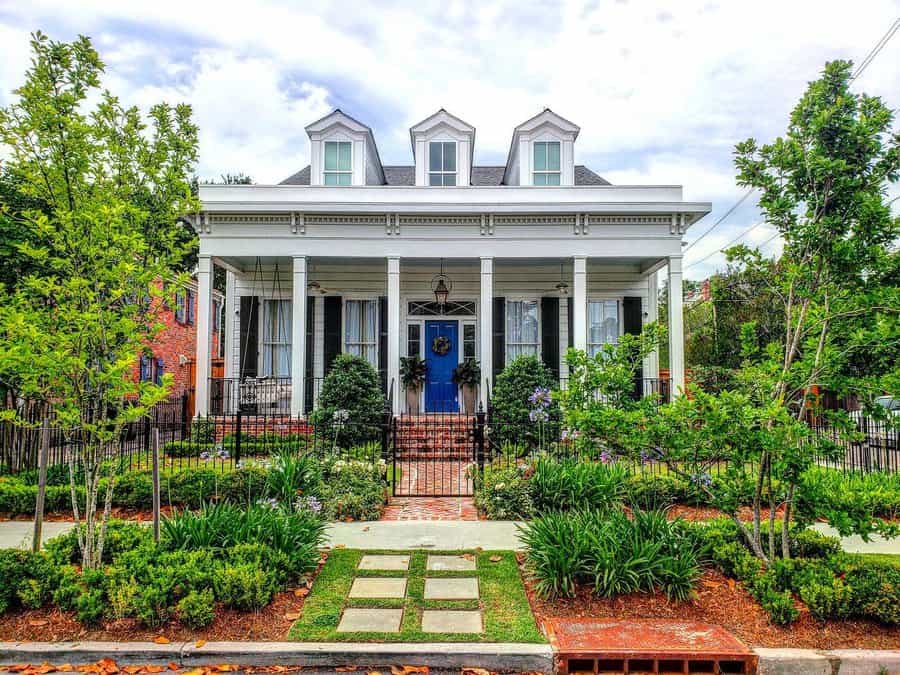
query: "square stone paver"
390, 563
378, 587
451, 589
450, 563
370, 621
451, 621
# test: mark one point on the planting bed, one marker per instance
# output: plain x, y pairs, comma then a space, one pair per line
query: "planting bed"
725, 603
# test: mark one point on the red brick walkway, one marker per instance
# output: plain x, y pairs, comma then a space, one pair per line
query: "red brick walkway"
423, 477
430, 508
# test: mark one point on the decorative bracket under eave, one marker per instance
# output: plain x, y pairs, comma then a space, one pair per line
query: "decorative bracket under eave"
298, 223
391, 224
487, 224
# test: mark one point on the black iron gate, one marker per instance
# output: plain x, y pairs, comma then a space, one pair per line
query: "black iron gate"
435, 454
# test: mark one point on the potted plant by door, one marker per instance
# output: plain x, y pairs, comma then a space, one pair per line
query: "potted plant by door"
467, 375
412, 376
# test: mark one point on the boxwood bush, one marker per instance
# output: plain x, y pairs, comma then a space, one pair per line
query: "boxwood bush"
352, 389
510, 408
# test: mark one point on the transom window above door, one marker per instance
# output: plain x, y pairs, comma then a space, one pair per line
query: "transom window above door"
442, 163
338, 163
546, 163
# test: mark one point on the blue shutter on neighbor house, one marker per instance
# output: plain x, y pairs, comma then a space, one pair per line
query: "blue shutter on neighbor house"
160, 371
145, 369
179, 307
190, 306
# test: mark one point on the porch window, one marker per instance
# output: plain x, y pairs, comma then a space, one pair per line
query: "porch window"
522, 333
361, 330
276, 338
413, 339
442, 163
603, 324
338, 163
546, 163
468, 341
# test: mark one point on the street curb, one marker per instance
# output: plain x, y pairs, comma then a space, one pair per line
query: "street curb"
490, 656
788, 661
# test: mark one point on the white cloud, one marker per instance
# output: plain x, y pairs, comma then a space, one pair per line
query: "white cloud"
662, 91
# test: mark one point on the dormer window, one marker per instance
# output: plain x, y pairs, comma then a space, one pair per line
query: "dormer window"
442, 163
338, 163
546, 163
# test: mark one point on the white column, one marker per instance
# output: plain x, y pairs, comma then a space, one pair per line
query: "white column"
298, 335
230, 303
393, 330
676, 325
204, 305
579, 309
651, 365
486, 327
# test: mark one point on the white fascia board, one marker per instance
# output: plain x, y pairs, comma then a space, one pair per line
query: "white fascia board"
300, 196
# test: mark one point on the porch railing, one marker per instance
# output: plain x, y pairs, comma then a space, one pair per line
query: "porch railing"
649, 386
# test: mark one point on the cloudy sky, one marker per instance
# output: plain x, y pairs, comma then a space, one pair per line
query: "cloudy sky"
661, 90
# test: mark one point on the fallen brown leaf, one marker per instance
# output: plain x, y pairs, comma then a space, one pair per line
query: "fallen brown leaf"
36, 623
161, 640
199, 643
175, 666
493, 558
292, 616
345, 669
301, 592
153, 669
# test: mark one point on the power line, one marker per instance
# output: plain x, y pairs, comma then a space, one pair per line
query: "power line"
859, 71
876, 49
728, 245
724, 216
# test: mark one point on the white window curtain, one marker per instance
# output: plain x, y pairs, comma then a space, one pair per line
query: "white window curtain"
522, 328
276, 338
361, 330
603, 324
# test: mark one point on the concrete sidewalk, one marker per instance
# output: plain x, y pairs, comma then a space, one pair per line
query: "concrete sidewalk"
401, 534
422, 534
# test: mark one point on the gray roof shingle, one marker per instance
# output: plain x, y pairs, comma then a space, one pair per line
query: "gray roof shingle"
481, 175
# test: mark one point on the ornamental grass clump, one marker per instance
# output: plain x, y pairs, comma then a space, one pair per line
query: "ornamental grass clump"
569, 484
610, 552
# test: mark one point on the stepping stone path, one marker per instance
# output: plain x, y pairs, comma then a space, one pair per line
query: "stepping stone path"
370, 621
378, 587
383, 620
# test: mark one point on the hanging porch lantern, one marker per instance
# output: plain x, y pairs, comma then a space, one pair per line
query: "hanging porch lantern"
562, 286
441, 286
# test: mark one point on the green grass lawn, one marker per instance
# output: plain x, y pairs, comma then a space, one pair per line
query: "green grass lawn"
891, 558
505, 609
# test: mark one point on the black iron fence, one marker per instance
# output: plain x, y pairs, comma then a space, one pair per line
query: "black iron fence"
427, 454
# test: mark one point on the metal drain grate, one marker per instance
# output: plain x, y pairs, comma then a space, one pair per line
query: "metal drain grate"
660, 647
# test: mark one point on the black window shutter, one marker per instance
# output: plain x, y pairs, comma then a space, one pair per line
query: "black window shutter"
631, 323
249, 346
550, 334
382, 342
310, 353
570, 322
499, 331
333, 306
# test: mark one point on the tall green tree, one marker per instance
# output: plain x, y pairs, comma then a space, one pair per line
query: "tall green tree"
106, 187
823, 186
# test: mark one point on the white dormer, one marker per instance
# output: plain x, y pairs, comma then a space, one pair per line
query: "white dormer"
442, 147
542, 151
343, 152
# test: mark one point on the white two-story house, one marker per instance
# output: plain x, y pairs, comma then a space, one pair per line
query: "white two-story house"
441, 258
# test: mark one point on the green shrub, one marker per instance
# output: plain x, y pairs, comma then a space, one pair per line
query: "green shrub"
121, 536
293, 475
203, 430
90, 606
196, 609
27, 579
244, 586
352, 489
504, 494
615, 554
510, 422
848, 500
574, 484
351, 386
216, 527
876, 590
655, 491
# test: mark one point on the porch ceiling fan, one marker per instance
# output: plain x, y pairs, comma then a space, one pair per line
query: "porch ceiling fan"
316, 287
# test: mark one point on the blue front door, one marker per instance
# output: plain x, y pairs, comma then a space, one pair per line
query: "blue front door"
441, 357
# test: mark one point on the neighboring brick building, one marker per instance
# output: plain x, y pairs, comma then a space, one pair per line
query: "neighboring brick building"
173, 351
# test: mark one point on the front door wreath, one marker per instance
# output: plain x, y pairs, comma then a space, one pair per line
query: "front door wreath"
440, 345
